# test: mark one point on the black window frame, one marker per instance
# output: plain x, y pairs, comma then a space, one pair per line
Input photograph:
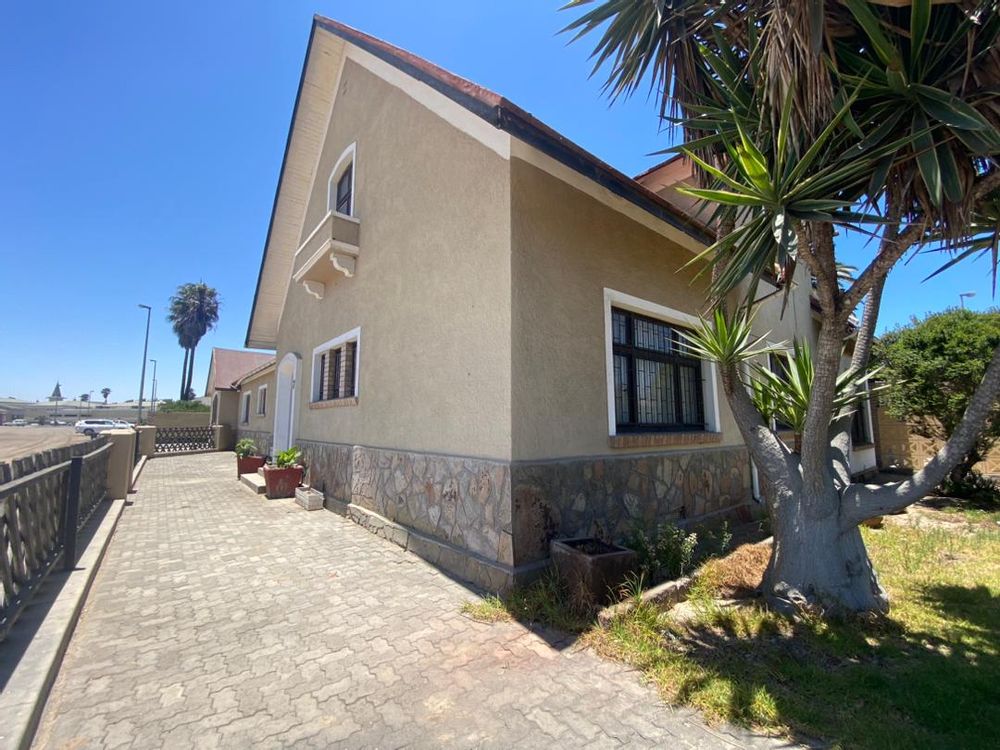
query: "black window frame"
860, 433
632, 352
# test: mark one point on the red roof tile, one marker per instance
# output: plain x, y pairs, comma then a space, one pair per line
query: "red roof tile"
229, 365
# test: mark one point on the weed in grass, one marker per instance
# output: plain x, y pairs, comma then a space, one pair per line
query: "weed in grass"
490, 608
544, 602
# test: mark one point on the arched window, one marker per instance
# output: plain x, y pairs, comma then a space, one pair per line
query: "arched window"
340, 191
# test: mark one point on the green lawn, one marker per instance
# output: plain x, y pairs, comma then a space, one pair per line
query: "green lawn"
927, 676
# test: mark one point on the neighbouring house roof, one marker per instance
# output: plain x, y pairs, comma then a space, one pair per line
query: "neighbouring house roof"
255, 372
496, 110
230, 365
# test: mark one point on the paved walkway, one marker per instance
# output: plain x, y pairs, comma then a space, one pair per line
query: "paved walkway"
221, 619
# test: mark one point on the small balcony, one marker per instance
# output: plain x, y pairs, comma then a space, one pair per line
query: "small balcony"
331, 250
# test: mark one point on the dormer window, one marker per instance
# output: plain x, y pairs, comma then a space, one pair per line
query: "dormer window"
340, 191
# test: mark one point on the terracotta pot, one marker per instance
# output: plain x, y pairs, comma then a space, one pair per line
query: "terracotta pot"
248, 465
282, 482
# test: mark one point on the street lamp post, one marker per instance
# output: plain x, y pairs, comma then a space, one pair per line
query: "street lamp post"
152, 395
145, 350
963, 295
90, 401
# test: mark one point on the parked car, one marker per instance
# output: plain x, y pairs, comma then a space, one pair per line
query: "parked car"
121, 424
18, 423
91, 427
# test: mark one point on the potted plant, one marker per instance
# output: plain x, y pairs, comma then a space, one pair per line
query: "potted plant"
247, 460
281, 479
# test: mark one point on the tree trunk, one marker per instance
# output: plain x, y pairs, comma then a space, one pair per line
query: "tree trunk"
184, 368
190, 374
817, 564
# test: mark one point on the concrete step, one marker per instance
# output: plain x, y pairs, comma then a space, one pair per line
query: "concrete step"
255, 482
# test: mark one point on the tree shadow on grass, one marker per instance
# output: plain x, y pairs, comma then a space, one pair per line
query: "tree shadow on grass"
858, 683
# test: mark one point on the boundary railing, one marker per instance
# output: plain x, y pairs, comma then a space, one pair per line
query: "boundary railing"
43, 508
183, 439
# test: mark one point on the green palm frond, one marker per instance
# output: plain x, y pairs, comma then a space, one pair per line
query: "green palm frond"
727, 340
785, 395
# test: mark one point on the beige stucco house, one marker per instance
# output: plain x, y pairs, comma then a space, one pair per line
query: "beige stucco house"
226, 368
475, 321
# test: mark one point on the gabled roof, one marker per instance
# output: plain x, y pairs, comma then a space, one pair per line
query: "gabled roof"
503, 114
269, 365
497, 111
230, 365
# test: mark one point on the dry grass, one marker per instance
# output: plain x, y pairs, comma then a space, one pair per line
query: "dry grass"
738, 574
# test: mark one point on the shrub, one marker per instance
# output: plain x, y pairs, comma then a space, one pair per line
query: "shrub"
288, 458
172, 406
245, 447
973, 486
664, 553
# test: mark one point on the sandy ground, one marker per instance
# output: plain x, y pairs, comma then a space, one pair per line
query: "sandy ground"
16, 442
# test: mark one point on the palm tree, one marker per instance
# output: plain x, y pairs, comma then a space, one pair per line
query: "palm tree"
806, 120
105, 392
194, 310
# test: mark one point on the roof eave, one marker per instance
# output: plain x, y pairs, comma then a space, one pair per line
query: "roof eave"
249, 341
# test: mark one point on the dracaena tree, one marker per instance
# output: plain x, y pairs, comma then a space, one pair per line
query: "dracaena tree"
806, 121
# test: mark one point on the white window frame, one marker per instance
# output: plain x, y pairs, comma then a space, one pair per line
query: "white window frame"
245, 408
345, 338
346, 159
709, 374
866, 412
262, 400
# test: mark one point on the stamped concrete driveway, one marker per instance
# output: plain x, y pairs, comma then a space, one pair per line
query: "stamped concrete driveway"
222, 619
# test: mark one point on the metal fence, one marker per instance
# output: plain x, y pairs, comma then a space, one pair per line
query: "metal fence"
44, 503
182, 439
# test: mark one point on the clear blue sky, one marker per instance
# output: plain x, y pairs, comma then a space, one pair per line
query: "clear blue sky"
140, 150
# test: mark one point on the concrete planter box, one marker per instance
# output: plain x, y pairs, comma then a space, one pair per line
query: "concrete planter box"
593, 570
309, 498
282, 482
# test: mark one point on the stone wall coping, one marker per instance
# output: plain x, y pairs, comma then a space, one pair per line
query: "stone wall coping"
656, 439
334, 403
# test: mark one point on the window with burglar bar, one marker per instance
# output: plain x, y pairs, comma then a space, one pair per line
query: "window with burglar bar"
658, 384
335, 372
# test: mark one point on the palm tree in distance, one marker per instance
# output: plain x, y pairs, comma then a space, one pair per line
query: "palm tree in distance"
194, 310
105, 392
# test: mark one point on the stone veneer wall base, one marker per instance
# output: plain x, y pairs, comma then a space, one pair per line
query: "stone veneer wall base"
468, 566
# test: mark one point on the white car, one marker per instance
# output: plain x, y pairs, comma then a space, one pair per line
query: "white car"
93, 427
18, 423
